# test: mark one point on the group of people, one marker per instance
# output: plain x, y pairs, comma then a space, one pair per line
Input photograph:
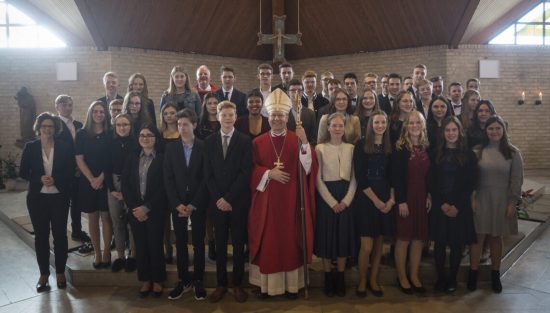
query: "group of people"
286, 172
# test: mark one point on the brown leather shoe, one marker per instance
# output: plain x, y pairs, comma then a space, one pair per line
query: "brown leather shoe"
218, 294
240, 294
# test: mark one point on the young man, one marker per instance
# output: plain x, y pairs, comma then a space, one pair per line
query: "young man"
115, 108
279, 156
110, 84
186, 191
228, 161
287, 74
438, 86
64, 108
307, 115
325, 78
472, 84
419, 73
384, 85
425, 97
350, 83
370, 82
203, 85
310, 98
332, 85
229, 92
394, 86
456, 92
265, 74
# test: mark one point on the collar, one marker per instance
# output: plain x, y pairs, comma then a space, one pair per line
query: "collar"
188, 145
230, 90
230, 134
65, 120
278, 135
152, 155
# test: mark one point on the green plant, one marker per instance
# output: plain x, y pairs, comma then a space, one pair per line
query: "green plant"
10, 167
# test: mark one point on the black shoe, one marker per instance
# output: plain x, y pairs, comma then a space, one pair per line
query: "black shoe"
440, 285
472, 280
144, 293
43, 284
130, 265
495, 281
212, 250
261, 295
376, 293
157, 294
361, 293
179, 290
61, 281
340, 284
169, 259
407, 291
200, 293
420, 290
329, 284
451, 287
291, 295
118, 265
86, 248
97, 265
80, 236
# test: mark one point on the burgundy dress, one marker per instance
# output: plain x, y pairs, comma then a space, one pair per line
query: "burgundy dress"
415, 225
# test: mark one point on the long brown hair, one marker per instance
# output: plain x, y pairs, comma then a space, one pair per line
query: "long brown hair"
360, 110
461, 144
88, 125
505, 147
143, 116
145, 91
369, 137
172, 86
332, 107
465, 114
396, 111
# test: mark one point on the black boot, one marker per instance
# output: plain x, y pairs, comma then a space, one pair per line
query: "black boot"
329, 284
212, 250
495, 281
472, 280
340, 284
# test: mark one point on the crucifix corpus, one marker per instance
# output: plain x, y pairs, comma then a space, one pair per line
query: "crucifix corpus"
279, 39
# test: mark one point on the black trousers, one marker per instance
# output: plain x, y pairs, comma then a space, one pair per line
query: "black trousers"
234, 222
455, 257
198, 232
148, 236
76, 223
46, 210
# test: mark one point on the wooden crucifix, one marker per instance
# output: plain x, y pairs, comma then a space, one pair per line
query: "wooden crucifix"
279, 39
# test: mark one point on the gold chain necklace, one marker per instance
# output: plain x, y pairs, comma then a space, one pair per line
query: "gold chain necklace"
278, 164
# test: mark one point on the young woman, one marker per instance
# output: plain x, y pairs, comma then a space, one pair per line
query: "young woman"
410, 164
439, 109
374, 200
369, 104
208, 121
137, 83
254, 124
469, 103
452, 179
336, 185
180, 93
144, 195
123, 144
498, 190
91, 148
403, 105
134, 107
340, 102
484, 110
48, 164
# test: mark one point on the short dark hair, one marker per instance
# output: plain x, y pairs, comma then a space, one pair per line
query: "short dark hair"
285, 64
436, 79
227, 69
47, 116
395, 75
350, 75
255, 93
295, 82
188, 114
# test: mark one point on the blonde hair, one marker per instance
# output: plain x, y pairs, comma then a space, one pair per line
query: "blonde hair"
405, 139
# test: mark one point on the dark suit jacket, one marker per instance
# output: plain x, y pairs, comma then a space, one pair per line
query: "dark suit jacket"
280, 86
243, 125
416, 99
185, 184
155, 196
32, 166
309, 123
104, 99
385, 105
65, 134
229, 177
318, 102
237, 97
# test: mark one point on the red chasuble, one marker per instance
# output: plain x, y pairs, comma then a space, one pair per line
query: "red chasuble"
274, 222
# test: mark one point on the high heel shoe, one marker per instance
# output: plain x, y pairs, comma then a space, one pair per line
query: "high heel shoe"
407, 291
43, 284
375, 292
61, 281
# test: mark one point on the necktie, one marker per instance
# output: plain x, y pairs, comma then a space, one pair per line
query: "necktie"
225, 145
226, 95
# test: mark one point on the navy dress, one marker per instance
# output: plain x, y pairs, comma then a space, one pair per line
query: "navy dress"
372, 170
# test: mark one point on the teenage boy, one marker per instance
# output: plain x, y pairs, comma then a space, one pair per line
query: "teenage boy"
455, 95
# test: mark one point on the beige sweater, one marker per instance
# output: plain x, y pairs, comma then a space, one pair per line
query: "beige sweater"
335, 163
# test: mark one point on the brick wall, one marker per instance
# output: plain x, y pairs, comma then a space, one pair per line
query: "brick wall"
521, 68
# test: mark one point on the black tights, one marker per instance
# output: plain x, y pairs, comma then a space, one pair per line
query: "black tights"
454, 261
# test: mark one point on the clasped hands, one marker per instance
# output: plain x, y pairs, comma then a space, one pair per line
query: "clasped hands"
384, 207
184, 210
140, 214
47, 180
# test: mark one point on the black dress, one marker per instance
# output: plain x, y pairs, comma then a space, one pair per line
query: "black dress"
372, 170
452, 183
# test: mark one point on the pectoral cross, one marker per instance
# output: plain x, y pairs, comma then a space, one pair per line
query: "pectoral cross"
278, 164
279, 39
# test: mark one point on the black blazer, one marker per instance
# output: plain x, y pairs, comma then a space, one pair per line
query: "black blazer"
185, 184
318, 102
229, 177
104, 99
65, 133
309, 123
385, 104
237, 97
155, 197
32, 166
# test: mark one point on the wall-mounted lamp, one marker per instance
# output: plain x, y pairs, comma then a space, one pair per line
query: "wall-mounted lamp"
539, 101
522, 100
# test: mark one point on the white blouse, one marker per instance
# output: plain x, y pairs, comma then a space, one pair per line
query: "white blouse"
47, 160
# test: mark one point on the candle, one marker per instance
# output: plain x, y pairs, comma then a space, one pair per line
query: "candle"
540, 96
523, 96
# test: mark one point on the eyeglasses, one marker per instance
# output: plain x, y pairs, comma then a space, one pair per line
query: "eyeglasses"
146, 136
135, 103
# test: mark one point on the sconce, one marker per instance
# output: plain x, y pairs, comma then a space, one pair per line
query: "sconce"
539, 101
522, 100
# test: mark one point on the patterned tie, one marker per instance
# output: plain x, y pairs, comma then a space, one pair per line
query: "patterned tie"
225, 145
